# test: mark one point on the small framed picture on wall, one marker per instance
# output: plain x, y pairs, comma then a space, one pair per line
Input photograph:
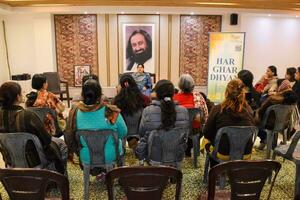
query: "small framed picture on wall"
79, 72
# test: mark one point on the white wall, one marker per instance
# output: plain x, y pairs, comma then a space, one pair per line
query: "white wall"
30, 43
271, 41
3, 64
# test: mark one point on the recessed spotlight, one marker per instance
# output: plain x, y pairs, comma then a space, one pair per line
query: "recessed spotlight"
297, 16
157, 13
122, 12
269, 15
85, 12
192, 13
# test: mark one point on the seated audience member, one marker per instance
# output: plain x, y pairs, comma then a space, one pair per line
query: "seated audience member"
296, 86
131, 102
13, 118
163, 113
143, 80
233, 111
188, 99
208, 102
42, 98
268, 82
284, 96
290, 75
91, 114
252, 96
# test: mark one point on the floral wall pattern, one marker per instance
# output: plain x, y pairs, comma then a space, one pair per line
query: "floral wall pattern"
194, 45
76, 44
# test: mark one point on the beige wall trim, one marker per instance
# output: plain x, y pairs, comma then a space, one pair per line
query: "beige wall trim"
107, 48
169, 45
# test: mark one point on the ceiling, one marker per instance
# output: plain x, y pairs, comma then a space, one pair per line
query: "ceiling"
249, 4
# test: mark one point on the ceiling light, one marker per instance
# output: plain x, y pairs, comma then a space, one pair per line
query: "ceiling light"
269, 15
85, 12
157, 13
217, 4
297, 16
122, 12
192, 13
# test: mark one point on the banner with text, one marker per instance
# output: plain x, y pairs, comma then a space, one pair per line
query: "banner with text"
226, 56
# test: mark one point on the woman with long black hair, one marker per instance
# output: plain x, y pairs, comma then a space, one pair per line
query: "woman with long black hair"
131, 101
163, 113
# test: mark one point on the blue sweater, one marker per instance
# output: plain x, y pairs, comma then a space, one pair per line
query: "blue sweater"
96, 121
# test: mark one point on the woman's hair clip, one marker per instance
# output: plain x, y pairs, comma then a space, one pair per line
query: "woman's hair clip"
167, 99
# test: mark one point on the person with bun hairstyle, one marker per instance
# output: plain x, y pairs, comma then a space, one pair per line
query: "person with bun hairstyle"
163, 113
267, 83
91, 114
41, 97
233, 111
14, 118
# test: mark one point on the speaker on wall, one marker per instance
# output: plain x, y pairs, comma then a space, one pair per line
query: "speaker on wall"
234, 19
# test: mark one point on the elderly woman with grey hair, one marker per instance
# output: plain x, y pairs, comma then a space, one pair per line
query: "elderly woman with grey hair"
190, 99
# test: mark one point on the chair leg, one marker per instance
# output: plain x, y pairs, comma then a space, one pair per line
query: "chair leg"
222, 181
196, 151
86, 181
270, 136
68, 98
285, 136
206, 168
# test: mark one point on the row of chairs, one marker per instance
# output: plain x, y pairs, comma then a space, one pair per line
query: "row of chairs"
246, 179
96, 161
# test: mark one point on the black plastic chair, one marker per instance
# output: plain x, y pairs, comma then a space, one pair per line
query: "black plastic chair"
42, 112
195, 137
132, 123
96, 141
283, 115
145, 183
14, 146
54, 86
21, 183
286, 151
246, 178
238, 137
167, 147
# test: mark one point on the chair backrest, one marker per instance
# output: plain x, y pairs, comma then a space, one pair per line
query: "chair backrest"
246, 178
96, 141
14, 147
153, 77
167, 146
238, 137
282, 116
42, 112
143, 182
133, 122
53, 81
193, 114
293, 145
21, 183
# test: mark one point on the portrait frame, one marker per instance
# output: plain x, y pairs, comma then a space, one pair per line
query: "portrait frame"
79, 72
139, 20
147, 30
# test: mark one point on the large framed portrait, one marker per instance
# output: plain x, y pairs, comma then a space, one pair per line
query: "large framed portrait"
138, 47
79, 72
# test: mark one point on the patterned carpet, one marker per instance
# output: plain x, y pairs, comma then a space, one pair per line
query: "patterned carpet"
192, 181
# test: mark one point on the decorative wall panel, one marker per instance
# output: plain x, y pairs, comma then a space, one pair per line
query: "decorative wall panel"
194, 44
76, 44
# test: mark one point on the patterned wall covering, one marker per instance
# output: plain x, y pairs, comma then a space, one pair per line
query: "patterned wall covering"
76, 44
194, 45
